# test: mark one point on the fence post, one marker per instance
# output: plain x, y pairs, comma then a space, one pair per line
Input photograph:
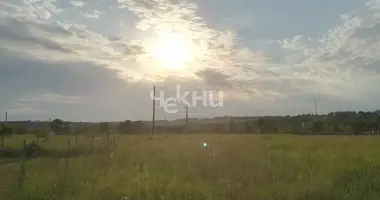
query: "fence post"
108, 139
92, 142
2, 141
67, 153
22, 167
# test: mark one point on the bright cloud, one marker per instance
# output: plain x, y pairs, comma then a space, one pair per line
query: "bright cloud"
95, 14
78, 4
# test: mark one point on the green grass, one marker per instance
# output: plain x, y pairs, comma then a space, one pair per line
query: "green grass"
176, 167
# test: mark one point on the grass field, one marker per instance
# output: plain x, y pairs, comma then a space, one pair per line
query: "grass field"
178, 167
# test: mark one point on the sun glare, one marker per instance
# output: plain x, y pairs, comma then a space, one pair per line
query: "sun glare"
170, 51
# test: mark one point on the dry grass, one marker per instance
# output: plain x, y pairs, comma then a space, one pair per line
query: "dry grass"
231, 167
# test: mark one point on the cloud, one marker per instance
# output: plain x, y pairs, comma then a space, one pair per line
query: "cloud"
94, 15
33, 104
50, 98
78, 4
214, 49
342, 64
25, 109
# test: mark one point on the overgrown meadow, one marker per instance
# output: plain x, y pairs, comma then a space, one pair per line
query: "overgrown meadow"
173, 167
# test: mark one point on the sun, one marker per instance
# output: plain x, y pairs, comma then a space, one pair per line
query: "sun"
170, 50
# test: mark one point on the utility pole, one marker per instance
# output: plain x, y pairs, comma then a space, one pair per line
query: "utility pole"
187, 116
154, 111
315, 107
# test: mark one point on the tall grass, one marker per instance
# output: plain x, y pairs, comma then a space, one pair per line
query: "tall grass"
231, 167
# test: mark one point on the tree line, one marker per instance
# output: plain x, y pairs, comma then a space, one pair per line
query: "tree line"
336, 122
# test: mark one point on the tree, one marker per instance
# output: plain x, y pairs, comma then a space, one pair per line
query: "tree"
261, 123
57, 125
337, 127
232, 125
358, 127
104, 127
41, 132
138, 126
125, 127
128, 127
5, 130
317, 126
20, 129
377, 113
248, 127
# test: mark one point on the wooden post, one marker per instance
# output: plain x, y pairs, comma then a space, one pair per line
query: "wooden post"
67, 153
213, 153
68, 143
92, 142
2, 141
154, 112
22, 167
108, 139
4, 126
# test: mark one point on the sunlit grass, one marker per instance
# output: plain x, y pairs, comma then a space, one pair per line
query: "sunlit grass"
229, 167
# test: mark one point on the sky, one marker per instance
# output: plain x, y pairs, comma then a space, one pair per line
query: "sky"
98, 60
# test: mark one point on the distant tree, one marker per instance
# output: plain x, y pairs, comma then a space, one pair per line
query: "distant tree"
361, 114
104, 127
358, 127
377, 114
86, 129
20, 129
66, 128
5, 130
295, 127
139, 127
248, 127
337, 127
271, 126
261, 123
125, 127
232, 125
332, 114
57, 125
318, 126
41, 132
